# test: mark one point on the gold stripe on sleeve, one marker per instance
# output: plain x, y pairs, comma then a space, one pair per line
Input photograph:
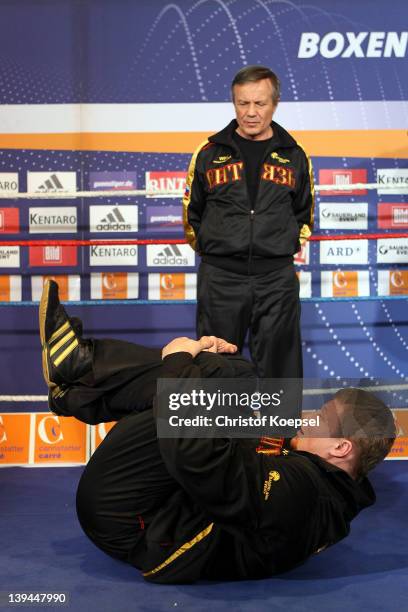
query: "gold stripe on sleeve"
306, 229
188, 230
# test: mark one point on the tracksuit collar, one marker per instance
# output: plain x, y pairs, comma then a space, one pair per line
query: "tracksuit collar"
224, 137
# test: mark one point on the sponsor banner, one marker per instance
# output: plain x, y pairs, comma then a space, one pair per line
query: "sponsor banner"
44, 256
8, 183
112, 181
51, 182
170, 255
113, 218
173, 182
99, 433
393, 282
348, 252
400, 446
345, 283
59, 439
113, 255
9, 220
392, 250
9, 257
305, 284
352, 44
343, 215
172, 286
163, 219
53, 220
393, 215
10, 288
302, 257
395, 180
343, 176
115, 286
14, 438
69, 286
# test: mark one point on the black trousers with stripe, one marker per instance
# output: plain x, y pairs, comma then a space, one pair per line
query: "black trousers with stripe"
123, 380
267, 305
126, 482
122, 487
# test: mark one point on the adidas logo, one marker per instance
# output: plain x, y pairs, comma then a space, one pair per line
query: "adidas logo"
62, 343
170, 256
52, 184
113, 222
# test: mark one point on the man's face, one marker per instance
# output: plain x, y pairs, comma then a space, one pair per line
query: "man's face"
319, 440
254, 109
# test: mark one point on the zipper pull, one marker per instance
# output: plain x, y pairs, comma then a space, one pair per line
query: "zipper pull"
252, 214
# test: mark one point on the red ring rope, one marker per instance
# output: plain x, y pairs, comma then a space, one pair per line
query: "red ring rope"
315, 238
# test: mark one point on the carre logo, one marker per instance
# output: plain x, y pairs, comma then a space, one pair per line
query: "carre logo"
49, 430
3, 435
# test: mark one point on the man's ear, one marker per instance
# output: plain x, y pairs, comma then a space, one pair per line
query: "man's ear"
341, 447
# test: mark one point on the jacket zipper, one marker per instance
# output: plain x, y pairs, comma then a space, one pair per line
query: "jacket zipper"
251, 231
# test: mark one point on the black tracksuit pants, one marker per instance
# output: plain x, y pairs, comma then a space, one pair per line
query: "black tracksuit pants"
267, 305
123, 380
122, 486
126, 481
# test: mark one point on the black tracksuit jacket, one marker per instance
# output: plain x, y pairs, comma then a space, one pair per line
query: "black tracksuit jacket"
218, 217
242, 511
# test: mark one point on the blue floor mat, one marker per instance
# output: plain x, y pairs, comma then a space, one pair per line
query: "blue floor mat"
43, 549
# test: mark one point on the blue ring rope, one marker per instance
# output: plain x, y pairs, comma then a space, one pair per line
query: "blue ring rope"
370, 298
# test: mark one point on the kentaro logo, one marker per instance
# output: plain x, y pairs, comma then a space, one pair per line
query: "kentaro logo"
353, 44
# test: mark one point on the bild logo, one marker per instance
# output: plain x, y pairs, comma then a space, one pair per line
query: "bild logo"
49, 430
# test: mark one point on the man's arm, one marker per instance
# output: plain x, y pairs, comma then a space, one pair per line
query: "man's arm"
193, 200
304, 202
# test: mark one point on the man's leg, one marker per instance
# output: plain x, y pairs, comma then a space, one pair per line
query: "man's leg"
103, 380
275, 339
223, 304
122, 486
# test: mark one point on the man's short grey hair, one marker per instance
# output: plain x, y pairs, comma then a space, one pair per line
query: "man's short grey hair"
252, 74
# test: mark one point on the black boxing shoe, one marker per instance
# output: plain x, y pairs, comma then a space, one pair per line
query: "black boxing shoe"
66, 357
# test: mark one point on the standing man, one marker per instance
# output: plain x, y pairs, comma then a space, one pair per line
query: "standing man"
248, 207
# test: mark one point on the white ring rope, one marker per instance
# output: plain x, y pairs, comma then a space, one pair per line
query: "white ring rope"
68, 195
389, 388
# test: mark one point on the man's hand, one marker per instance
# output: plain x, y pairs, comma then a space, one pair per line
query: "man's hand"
205, 343
220, 345
188, 345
